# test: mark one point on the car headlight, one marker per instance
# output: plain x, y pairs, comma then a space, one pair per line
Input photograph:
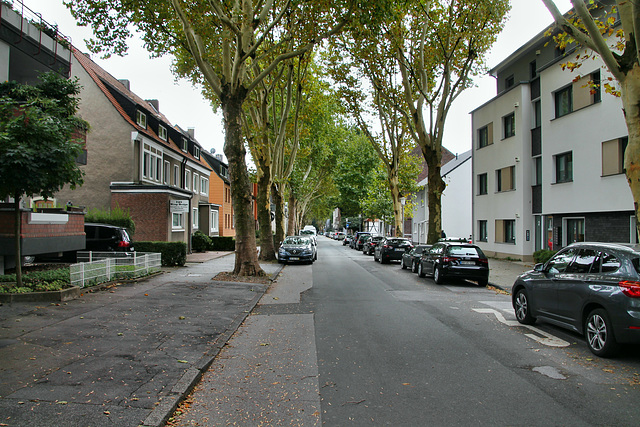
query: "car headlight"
281, 251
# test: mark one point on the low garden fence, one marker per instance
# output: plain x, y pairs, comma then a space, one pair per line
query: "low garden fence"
99, 267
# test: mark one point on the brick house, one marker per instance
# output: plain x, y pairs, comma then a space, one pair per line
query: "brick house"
138, 161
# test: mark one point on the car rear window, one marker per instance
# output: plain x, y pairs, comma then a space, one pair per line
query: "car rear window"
636, 264
609, 263
465, 251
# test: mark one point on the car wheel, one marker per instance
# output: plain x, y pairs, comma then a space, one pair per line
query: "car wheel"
599, 334
382, 261
404, 267
437, 276
420, 270
414, 267
374, 257
483, 282
523, 313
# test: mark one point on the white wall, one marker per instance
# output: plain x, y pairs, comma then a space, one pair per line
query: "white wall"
456, 202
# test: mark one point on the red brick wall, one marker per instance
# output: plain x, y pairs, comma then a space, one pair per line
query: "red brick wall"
150, 212
74, 227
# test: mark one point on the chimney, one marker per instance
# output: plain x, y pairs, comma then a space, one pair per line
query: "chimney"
192, 132
154, 103
219, 157
126, 83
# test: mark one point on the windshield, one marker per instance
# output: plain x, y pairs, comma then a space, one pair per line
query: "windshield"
296, 241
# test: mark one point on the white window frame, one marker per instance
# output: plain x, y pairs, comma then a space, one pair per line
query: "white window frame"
196, 152
162, 132
151, 163
167, 172
141, 119
196, 180
187, 180
204, 186
180, 225
176, 174
196, 219
215, 221
185, 145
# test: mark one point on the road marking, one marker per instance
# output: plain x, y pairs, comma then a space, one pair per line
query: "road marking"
542, 337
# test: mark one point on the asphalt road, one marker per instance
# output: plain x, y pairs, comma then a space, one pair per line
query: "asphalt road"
348, 341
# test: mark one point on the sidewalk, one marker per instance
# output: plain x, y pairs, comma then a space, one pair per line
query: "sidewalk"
122, 356
503, 273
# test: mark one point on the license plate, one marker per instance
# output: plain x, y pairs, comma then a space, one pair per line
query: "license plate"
399, 250
294, 258
467, 263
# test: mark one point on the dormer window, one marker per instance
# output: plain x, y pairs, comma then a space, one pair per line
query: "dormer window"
141, 119
185, 145
162, 133
196, 152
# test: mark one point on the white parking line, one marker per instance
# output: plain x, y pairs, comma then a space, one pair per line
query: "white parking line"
542, 337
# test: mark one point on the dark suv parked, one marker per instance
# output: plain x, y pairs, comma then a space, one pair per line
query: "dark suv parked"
391, 248
590, 288
454, 260
107, 238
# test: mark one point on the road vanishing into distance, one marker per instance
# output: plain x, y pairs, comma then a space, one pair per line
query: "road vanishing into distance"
381, 346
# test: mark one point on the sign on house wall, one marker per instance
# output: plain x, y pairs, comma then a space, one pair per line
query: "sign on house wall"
179, 206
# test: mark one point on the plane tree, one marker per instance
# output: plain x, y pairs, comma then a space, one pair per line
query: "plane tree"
216, 45
597, 31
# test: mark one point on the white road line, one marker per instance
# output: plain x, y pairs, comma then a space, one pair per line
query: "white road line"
542, 337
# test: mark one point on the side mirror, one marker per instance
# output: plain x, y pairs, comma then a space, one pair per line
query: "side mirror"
538, 267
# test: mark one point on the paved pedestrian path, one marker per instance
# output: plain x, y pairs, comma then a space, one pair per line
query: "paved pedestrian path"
121, 356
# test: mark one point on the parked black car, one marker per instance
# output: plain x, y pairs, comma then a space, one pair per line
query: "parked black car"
107, 238
297, 249
590, 288
454, 260
410, 259
370, 244
391, 248
359, 240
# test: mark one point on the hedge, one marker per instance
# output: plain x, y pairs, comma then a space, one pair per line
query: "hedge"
223, 244
200, 242
173, 253
543, 255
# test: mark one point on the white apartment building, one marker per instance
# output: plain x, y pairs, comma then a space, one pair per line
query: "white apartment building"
548, 157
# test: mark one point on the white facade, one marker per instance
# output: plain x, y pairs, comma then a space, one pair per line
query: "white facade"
558, 178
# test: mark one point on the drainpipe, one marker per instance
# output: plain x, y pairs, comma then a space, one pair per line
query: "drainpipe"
183, 168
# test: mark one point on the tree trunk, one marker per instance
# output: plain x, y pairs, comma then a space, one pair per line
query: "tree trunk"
397, 206
18, 231
631, 103
246, 263
291, 223
267, 250
276, 190
435, 188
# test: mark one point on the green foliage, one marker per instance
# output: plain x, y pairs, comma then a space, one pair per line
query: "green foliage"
543, 255
37, 281
223, 244
116, 216
37, 152
173, 253
200, 242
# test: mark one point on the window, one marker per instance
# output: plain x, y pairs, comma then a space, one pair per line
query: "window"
584, 262
151, 163
196, 152
537, 114
506, 231
176, 175
509, 125
509, 82
482, 231
595, 87
224, 171
167, 172
162, 132
196, 181
574, 230
485, 135
564, 101
187, 180
564, 167
196, 219
141, 119
537, 171
215, 226
559, 263
204, 186
505, 179
609, 263
533, 70
482, 184
613, 156
185, 145
177, 221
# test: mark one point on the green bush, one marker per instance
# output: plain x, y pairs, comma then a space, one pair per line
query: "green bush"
36, 281
200, 242
116, 216
173, 253
222, 244
543, 255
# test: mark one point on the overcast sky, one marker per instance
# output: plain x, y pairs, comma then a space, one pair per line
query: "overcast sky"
184, 105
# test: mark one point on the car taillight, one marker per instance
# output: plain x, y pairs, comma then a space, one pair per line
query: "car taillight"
386, 246
123, 244
447, 259
483, 261
630, 288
